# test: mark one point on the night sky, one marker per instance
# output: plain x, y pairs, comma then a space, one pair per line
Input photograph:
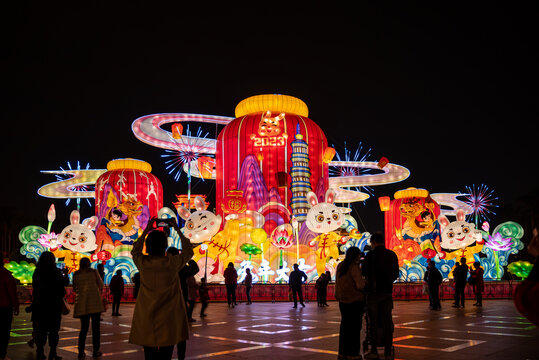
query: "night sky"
448, 91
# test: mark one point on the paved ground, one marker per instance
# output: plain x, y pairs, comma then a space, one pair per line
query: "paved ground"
277, 332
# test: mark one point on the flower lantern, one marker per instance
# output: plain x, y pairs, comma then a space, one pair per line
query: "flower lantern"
282, 239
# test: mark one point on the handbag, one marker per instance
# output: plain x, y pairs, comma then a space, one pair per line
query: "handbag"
65, 308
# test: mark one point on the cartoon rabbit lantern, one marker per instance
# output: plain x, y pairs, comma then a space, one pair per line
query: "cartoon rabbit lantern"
201, 225
457, 236
77, 238
324, 218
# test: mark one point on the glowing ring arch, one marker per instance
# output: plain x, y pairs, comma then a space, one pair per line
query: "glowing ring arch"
392, 173
148, 130
63, 189
450, 200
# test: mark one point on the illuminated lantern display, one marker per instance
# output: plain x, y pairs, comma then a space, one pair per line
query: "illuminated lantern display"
267, 159
258, 144
385, 202
411, 226
183, 200
206, 167
127, 195
233, 202
201, 225
329, 154
383, 162
76, 239
177, 130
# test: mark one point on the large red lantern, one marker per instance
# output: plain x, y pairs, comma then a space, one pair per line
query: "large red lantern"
255, 154
126, 196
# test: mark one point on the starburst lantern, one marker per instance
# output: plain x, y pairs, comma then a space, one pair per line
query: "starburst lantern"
126, 196
271, 134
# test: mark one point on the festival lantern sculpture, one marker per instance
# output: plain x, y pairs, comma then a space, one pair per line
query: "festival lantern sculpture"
411, 226
127, 195
76, 239
282, 238
324, 218
458, 237
257, 145
273, 155
201, 225
72, 183
504, 241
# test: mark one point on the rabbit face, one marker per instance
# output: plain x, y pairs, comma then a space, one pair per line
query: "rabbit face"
201, 225
79, 237
458, 234
325, 216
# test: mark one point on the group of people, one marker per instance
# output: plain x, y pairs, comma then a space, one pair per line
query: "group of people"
366, 282
433, 280
322, 289
160, 320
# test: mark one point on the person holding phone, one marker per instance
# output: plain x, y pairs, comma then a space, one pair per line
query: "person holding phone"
160, 319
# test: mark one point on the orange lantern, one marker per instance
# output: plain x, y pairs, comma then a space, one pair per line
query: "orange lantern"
383, 162
234, 202
177, 130
206, 165
329, 153
384, 203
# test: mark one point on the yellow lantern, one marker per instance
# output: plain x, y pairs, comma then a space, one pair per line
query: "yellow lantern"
329, 153
259, 236
384, 202
273, 103
411, 193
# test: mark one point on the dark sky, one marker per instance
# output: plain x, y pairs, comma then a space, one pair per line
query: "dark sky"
447, 91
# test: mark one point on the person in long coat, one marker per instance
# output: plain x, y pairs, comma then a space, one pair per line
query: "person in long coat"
349, 285
48, 293
478, 283
160, 319
88, 286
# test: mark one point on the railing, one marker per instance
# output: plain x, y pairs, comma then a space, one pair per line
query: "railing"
411, 290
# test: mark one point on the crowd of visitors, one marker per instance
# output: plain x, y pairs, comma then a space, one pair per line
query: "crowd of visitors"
166, 292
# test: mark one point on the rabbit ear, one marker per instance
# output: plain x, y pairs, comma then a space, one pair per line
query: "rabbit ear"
311, 198
199, 204
91, 222
460, 215
74, 218
330, 196
443, 220
184, 212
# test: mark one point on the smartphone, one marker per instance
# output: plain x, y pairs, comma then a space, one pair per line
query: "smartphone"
164, 222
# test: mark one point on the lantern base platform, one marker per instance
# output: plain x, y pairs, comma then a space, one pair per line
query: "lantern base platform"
280, 292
